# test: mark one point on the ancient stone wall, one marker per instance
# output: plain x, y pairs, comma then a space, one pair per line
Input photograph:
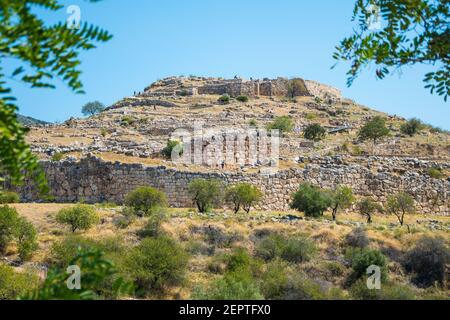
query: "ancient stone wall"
93, 180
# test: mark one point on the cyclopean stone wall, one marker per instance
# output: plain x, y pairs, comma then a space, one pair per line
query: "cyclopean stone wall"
93, 180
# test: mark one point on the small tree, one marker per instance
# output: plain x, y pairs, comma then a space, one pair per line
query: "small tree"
367, 207
8, 225
26, 236
144, 200
296, 87
205, 193
283, 123
91, 108
314, 132
374, 130
16, 228
412, 127
311, 200
399, 205
243, 195
80, 217
342, 198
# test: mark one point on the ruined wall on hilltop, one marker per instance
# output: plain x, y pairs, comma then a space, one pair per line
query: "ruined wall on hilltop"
93, 180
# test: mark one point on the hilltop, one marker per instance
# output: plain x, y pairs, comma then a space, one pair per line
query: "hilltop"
137, 128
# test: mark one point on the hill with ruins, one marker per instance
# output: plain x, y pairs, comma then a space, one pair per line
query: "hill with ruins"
134, 131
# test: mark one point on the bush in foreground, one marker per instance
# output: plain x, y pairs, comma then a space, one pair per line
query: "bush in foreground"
362, 259
79, 217
427, 261
311, 200
144, 200
14, 284
156, 264
232, 286
16, 228
293, 249
9, 197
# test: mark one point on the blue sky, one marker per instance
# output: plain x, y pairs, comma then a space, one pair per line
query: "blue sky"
265, 38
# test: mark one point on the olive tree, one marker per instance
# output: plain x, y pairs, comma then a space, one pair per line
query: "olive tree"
205, 193
342, 198
312, 200
243, 195
400, 205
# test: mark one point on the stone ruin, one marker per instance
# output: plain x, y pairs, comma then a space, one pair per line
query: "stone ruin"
181, 86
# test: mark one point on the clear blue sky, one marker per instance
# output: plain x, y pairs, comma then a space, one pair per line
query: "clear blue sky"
265, 38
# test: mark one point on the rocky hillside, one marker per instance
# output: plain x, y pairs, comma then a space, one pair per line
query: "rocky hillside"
137, 128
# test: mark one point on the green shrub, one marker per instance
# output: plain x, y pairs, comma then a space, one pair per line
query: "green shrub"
300, 287
26, 236
274, 279
156, 264
65, 250
253, 123
233, 286
362, 259
412, 127
144, 200
9, 197
311, 200
127, 120
242, 99
14, 284
172, 146
8, 224
126, 218
314, 132
99, 279
293, 249
435, 173
225, 99
80, 217
284, 124
57, 156
205, 193
427, 261
16, 228
243, 195
389, 291
153, 226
